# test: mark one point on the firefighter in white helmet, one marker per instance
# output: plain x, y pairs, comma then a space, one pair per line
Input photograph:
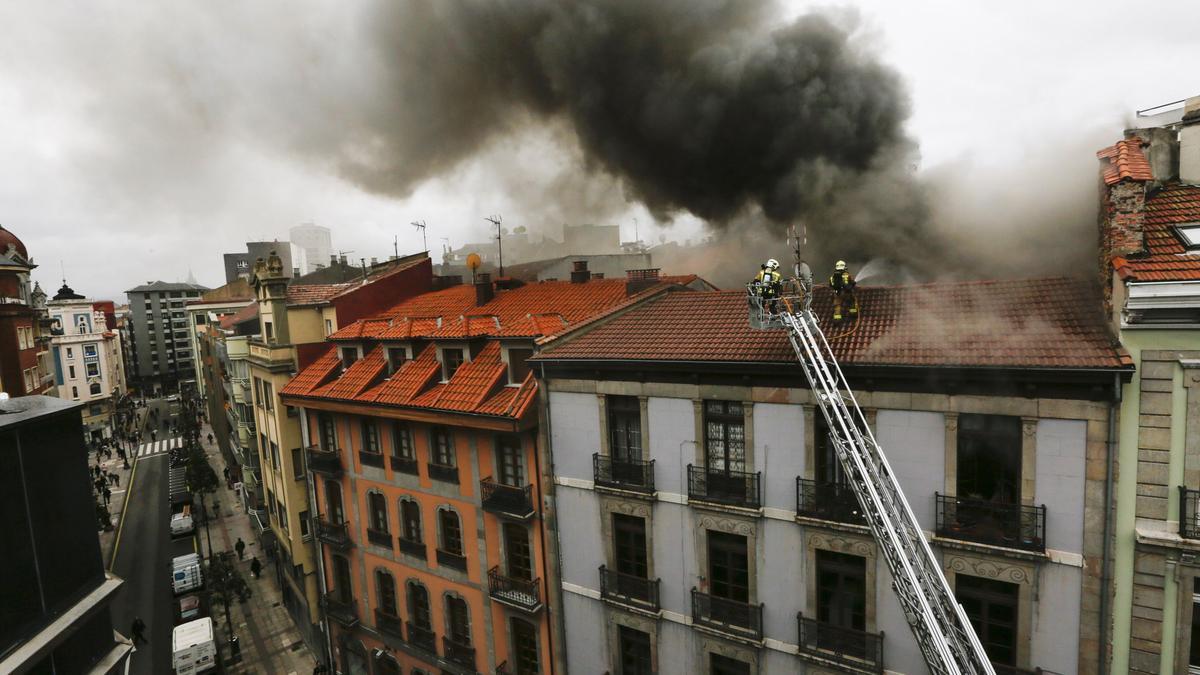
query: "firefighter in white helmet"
842, 283
769, 283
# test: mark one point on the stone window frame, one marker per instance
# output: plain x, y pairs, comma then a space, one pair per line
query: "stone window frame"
447, 595
509, 616
860, 545
700, 445
809, 410
441, 542
614, 619
400, 517
714, 645
374, 602
610, 505
1186, 574
1029, 427
416, 581
643, 404
729, 524
1022, 573
386, 510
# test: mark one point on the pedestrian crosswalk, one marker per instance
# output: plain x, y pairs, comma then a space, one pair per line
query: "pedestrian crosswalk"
158, 447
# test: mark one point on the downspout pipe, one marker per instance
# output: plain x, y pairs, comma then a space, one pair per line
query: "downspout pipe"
550, 518
319, 550
1114, 408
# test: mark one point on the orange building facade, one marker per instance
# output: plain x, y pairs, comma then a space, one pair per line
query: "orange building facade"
420, 427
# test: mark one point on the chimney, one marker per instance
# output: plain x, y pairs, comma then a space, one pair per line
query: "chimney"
637, 281
343, 260
1189, 143
374, 261
483, 289
333, 260
580, 273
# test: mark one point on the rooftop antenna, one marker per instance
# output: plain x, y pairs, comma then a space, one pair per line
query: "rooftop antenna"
420, 225
496, 220
396, 245
637, 239
62, 269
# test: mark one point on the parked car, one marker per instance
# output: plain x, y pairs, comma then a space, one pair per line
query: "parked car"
193, 648
182, 523
186, 574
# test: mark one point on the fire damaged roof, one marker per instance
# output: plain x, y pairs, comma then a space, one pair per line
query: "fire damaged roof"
479, 386
1165, 258
1126, 161
1023, 324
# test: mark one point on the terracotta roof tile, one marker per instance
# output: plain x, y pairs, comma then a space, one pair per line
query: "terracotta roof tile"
314, 375
1126, 161
1041, 323
355, 380
1165, 258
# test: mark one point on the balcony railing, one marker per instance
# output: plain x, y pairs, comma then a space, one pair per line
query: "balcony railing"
733, 488
728, 616
506, 500
827, 501
404, 465
389, 624
379, 538
412, 547
1189, 514
502, 669
455, 560
624, 474
328, 462
628, 589
855, 649
998, 524
446, 474
455, 652
370, 459
342, 611
517, 593
422, 638
336, 535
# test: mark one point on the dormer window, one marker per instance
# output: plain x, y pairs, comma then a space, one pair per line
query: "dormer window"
451, 360
1189, 235
518, 365
349, 356
396, 356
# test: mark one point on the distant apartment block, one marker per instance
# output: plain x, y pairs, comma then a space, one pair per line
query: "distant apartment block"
162, 350
316, 243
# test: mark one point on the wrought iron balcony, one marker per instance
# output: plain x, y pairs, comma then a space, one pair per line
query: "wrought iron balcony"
328, 462
370, 459
422, 638
389, 624
455, 652
629, 590
341, 610
404, 465
856, 650
506, 500
623, 474
731, 617
336, 535
446, 474
379, 538
502, 669
828, 501
732, 488
455, 560
1189, 514
994, 523
519, 593
412, 547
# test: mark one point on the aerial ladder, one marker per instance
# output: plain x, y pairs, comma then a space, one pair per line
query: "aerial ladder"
938, 622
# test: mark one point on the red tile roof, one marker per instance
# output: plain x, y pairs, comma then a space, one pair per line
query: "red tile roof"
1165, 258
1126, 161
1040, 323
313, 294
244, 314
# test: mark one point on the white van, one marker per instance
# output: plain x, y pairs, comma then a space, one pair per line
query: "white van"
182, 523
192, 647
186, 574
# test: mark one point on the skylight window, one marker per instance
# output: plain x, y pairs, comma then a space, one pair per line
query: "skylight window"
1189, 234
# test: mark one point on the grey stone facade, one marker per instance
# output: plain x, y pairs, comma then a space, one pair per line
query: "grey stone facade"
161, 344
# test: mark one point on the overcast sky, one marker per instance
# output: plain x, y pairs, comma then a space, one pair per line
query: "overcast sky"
140, 140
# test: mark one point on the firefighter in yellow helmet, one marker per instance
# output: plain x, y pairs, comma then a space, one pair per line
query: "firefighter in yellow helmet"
842, 283
769, 283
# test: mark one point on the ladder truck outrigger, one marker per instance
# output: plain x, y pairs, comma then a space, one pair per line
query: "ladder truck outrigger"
938, 622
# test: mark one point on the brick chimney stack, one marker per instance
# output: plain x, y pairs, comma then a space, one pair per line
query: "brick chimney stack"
580, 273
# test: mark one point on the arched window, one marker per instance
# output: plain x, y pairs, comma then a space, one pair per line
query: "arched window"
410, 520
386, 665
418, 606
458, 621
333, 502
343, 587
377, 509
385, 587
524, 646
95, 388
451, 532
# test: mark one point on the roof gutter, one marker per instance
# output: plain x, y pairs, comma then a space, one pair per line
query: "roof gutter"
775, 364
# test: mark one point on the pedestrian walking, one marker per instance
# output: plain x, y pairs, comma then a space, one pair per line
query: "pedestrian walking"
111, 477
138, 629
107, 495
255, 566
153, 435
116, 479
107, 452
240, 547
210, 439
226, 474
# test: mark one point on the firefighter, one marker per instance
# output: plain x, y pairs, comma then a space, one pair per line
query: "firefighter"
842, 283
769, 283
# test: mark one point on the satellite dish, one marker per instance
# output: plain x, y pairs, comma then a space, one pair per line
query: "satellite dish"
473, 261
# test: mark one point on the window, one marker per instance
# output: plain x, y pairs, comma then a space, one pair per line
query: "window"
724, 665
349, 356
74, 392
989, 458
410, 520
377, 511
728, 566
634, 646
328, 432
724, 436
525, 647
370, 437
518, 365
94, 388
274, 455
458, 620
385, 586
991, 607
70, 372
629, 545
269, 331
329, 326
451, 532
93, 369
1189, 235
443, 446
70, 353
30, 379
518, 558
828, 467
97, 409
841, 590
268, 396
451, 360
283, 516
89, 350
418, 606
258, 397
624, 428
333, 503
1194, 652
396, 358
270, 501
304, 532
297, 464
342, 586
509, 461
402, 445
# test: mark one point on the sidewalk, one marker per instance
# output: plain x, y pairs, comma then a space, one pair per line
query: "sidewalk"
270, 643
